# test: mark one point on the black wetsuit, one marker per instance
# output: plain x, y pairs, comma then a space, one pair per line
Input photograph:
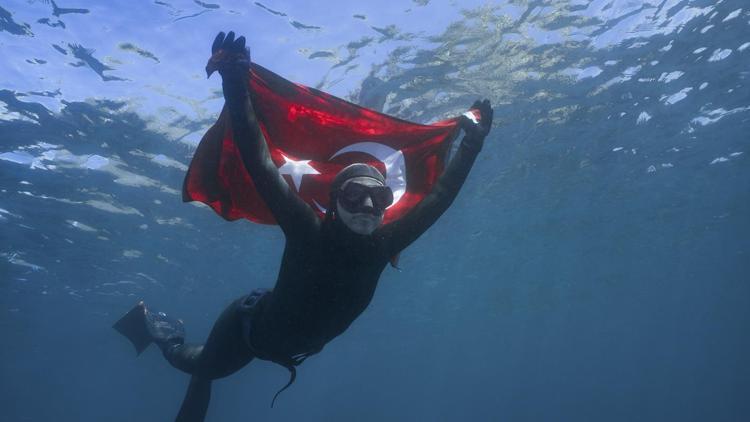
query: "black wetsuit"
328, 273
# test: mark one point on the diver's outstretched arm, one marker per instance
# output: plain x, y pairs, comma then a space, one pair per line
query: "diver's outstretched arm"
232, 60
402, 232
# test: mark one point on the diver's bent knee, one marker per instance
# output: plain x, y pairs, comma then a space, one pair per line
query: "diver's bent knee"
183, 357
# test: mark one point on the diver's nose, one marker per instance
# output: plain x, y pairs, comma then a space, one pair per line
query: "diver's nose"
367, 202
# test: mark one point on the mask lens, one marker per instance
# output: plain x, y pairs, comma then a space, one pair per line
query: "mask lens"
354, 192
353, 197
382, 196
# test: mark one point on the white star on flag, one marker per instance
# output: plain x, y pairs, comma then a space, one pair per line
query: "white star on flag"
297, 169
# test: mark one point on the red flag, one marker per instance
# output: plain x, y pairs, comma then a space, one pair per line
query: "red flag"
312, 135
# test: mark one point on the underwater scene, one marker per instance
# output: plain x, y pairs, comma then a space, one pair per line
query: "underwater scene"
595, 265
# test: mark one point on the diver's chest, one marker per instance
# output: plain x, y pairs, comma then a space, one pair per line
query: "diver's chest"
325, 257
333, 270
339, 268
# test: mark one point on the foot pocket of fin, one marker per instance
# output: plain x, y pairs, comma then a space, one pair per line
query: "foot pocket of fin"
164, 329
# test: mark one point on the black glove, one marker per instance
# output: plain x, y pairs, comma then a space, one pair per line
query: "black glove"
228, 55
476, 132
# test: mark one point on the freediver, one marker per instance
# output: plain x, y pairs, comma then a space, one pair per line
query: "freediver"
320, 290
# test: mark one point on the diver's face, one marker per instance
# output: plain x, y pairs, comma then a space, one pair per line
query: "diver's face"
369, 215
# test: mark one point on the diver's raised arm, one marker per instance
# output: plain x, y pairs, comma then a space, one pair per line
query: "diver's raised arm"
232, 60
402, 232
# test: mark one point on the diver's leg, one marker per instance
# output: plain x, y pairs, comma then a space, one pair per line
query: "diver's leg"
224, 353
185, 357
195, 404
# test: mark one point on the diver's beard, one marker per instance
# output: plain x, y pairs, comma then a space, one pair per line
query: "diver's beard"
360, 223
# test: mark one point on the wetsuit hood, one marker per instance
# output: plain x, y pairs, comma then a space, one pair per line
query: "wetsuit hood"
356, 170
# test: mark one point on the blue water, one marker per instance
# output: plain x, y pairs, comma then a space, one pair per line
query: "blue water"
594, 267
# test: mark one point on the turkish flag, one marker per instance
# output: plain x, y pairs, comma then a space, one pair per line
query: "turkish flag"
312, 135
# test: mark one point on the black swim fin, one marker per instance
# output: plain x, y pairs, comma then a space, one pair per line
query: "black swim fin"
133, 326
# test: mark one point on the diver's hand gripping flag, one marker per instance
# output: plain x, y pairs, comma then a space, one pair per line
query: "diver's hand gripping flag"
312, 135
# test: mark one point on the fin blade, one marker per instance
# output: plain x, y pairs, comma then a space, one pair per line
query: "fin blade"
133, 326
